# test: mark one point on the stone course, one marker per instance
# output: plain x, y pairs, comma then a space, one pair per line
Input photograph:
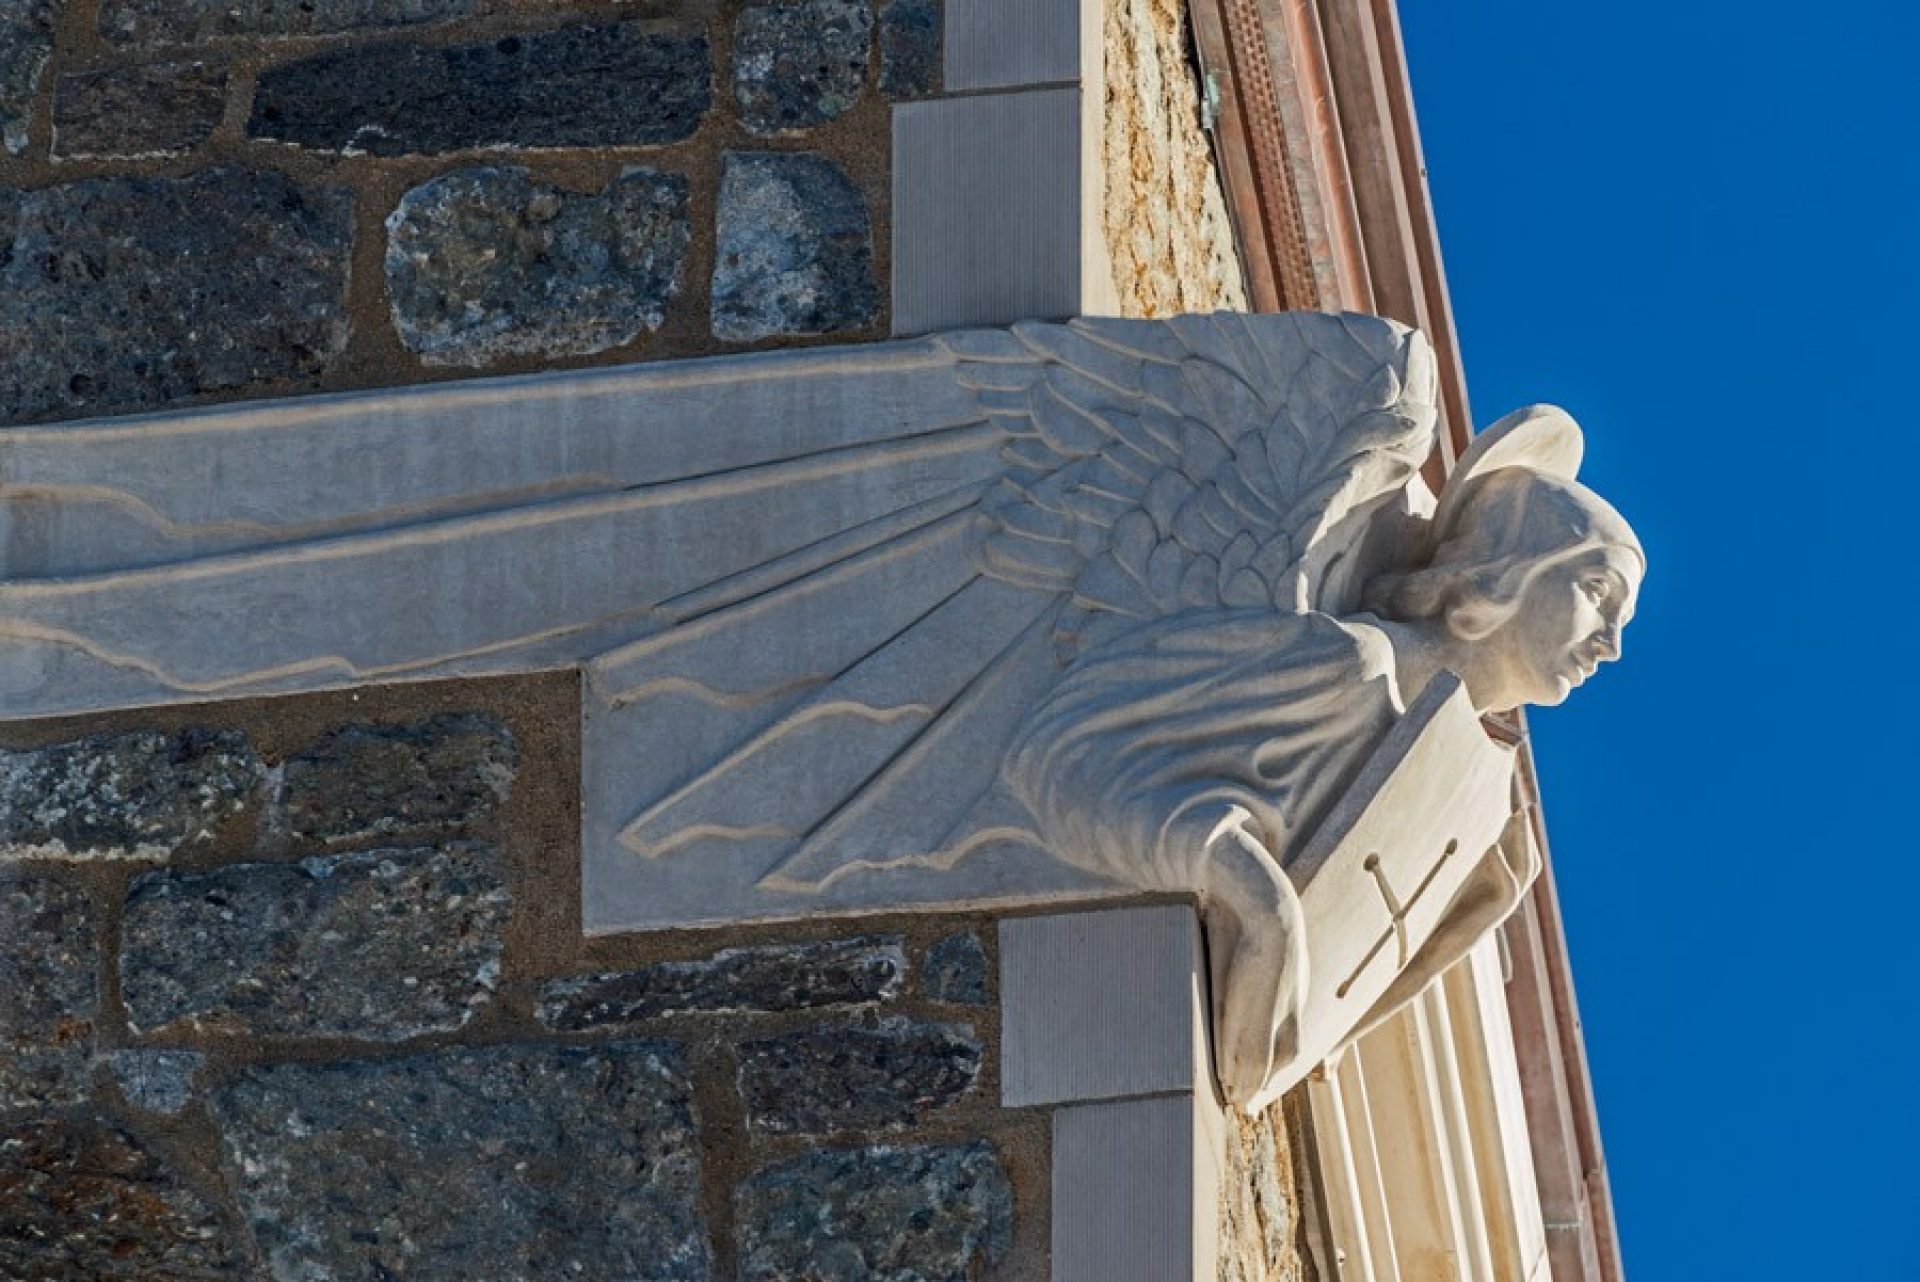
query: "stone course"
85, 1199
797, 65
521, 1162
420, 781
795, 249
144, 795
921, 1213
774, 978
143, 23
383, 945
856, 1078
235, 278
622, 84
486, 263
289, 1056
155, 110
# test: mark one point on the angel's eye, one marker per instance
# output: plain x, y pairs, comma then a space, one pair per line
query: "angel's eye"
1596, 590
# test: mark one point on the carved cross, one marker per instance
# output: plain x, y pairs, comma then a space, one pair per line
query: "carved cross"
1396, 930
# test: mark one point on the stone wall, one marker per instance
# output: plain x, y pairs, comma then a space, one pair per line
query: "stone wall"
295, 989
207, 200
1167, 229
1263, 1220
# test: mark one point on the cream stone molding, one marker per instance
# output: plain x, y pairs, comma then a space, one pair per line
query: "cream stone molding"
991, 617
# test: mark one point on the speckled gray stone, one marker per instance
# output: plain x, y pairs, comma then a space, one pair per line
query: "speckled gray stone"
159, 1081
26, 42
956, 970
922, 1213
143, 795
382, 945
48, 983
84, 1199
422, 781
851, 1077
795, 252
486, 263
523, 1162
38, 1078
799, 63
154, 22
159, 109
120, 293
772, 978
910, 48
613, 85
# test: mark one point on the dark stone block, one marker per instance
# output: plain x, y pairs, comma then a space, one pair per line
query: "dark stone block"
925, 1213
162, 109
797, 65
154, 22
433, 779
617, 85
795, 251
48, 988
486, 263
956, 970
26, 42
910, 48
507, 1162
853, 1078
143, 795
86, 1200
774, 978
383, 945
118, 293
38, 1078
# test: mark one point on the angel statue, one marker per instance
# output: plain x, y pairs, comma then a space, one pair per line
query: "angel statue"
1204, 591
1061, 612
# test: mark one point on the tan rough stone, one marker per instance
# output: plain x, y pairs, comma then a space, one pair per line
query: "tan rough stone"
1261, 1226
1167, 228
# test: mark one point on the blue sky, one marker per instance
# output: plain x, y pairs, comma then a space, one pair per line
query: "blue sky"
1693, 225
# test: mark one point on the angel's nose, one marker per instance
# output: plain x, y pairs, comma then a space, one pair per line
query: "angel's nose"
1606, 646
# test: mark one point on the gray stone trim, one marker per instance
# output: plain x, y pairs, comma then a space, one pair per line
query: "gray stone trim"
987, 209
1000, 43
1101, 1005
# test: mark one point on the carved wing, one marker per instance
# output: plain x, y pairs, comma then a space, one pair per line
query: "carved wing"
1148, 468
1156, 468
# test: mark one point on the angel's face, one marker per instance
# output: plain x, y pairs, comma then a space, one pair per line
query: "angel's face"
1568, 623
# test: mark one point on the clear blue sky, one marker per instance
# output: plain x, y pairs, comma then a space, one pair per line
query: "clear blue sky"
1694, 225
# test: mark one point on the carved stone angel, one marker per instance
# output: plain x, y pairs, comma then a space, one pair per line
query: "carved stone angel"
987, 618
1207, 592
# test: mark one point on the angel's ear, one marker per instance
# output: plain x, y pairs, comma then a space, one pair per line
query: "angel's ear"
1476, 616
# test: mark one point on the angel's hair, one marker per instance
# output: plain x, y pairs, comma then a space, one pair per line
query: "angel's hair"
1511, 525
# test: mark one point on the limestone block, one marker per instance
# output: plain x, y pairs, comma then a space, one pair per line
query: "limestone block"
856, 1077
799, 64
769, 978
484, 264
141, 795
935, 1213
159, 109
254, 265
503, 1162
613, 85
382, 945
84, 1199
